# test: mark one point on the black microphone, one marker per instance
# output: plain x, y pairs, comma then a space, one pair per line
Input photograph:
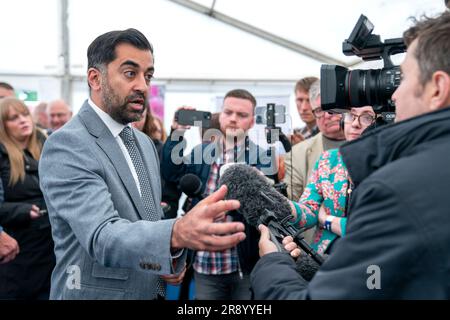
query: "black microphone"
191, 185
306, 266
262, 204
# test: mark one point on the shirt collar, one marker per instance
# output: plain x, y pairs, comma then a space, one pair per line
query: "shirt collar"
113, 126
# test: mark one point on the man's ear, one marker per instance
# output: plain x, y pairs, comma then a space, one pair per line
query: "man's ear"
253, 121
94, 78
440, 90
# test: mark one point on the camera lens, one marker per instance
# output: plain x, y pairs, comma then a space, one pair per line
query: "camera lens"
372, 87
342, 89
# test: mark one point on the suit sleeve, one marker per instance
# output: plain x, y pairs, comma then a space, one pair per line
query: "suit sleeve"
76, 193
15, 214
381, 235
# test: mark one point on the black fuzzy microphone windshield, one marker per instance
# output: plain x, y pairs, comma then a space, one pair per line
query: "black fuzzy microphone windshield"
191, 185
262, 204
306, 266
254, 192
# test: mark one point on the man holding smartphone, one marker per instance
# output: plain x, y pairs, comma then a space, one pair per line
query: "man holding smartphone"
222, 274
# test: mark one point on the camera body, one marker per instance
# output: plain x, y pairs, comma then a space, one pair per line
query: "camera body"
270, 115
193, 118
342, 89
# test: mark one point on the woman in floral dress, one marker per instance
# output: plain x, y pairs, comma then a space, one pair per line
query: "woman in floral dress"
324, 201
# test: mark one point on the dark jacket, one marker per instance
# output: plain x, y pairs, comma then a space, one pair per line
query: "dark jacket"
28, 275
170, 193
18, 199
253, 155
398, 226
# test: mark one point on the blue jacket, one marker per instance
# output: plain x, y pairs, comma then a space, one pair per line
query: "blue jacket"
199, 161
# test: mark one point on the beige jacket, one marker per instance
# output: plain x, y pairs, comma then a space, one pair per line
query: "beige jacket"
304, 155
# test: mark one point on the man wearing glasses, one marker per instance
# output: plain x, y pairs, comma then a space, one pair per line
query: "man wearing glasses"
301, 160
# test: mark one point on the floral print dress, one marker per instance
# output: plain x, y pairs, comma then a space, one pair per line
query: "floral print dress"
327, 185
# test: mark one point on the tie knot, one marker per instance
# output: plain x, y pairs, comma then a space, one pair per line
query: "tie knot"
126, 134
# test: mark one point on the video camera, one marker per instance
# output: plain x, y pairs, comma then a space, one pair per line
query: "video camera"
342, 89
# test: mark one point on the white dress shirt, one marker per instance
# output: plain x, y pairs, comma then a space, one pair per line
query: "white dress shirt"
116, 128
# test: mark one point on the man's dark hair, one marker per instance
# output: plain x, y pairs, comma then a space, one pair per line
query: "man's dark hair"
102, 50
6, 86
305, 83
433, 45
241, 94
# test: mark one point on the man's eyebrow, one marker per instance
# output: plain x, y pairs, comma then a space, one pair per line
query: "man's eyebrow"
130, 63
136, 65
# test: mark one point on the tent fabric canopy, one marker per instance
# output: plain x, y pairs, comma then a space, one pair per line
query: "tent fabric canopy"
192, 45
202, 48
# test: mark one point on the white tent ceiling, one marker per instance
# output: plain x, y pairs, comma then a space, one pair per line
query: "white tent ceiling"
191, 45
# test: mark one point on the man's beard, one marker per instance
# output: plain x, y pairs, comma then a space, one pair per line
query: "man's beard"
117, 107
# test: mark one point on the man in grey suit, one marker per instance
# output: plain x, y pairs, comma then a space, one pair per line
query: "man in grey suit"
101, 182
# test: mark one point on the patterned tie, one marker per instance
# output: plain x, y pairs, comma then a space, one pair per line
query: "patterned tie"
146, 190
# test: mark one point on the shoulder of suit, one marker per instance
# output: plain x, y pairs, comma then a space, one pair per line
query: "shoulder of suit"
145, 138
308, 144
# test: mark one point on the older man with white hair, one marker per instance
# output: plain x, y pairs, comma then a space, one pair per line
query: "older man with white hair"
59, 113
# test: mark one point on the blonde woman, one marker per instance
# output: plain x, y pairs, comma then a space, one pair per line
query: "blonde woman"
23, 212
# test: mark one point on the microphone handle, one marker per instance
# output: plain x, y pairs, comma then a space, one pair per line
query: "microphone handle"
283, 230
277, 243
310, 251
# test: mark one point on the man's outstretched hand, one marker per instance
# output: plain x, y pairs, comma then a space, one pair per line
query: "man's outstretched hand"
197, 230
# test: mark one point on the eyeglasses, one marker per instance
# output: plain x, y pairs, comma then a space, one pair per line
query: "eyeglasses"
319, 113
364, 119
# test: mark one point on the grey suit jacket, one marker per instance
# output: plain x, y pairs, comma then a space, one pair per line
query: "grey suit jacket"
104, 249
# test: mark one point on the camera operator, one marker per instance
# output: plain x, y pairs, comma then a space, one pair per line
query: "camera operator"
396, 246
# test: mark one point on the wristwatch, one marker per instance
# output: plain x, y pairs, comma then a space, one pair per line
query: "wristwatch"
328, 221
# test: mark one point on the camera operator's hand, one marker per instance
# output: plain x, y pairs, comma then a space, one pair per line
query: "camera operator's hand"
291, 247
266, 246
175, 125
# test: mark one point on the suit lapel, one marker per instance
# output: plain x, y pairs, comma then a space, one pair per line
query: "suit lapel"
108, 144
